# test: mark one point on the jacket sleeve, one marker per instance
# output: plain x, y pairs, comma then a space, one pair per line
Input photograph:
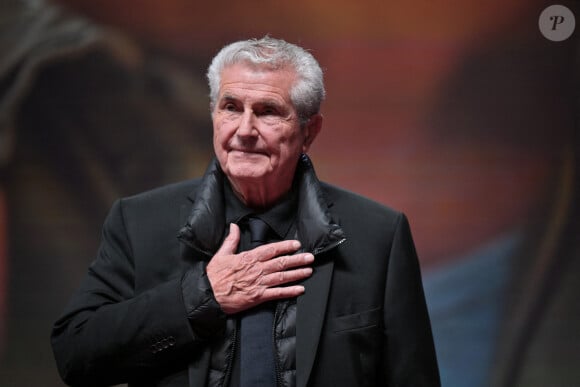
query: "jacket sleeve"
108, 334
409, 348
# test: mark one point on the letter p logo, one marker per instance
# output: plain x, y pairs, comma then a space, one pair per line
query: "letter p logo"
557, 20
557, 23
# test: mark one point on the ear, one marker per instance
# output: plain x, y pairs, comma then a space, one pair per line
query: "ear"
311, 130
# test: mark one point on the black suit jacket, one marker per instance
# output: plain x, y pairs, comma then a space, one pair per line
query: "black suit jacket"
362, 321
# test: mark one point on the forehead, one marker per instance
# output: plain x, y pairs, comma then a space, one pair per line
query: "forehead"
245, 79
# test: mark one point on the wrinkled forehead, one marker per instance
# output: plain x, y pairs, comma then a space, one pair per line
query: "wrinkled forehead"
283, 76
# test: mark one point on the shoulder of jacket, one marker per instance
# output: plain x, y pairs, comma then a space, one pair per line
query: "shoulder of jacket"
174, 192
340, 197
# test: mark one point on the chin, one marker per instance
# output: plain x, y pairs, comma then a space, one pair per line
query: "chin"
246, 172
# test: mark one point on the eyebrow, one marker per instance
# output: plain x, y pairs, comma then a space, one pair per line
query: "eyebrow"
266, 102
227, 97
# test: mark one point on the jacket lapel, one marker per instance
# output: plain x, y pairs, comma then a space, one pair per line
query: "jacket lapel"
319, 232
310, 319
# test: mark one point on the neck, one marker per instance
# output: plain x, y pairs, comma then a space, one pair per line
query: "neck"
260, 196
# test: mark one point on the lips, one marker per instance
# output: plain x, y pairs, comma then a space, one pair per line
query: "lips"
248, 152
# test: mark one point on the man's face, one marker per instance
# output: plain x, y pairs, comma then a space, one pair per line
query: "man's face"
257, 134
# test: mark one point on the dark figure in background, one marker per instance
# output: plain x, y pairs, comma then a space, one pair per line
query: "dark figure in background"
86, 115
337, 274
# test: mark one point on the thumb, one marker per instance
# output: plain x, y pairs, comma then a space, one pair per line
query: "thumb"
230, 244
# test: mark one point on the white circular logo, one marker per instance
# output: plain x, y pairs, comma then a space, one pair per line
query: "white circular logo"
557, 23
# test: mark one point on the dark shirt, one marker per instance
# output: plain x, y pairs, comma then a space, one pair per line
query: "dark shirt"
280, 218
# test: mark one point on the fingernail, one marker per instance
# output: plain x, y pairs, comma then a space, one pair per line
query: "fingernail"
308, 258
296, 245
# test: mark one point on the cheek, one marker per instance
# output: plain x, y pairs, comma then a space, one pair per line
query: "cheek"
221, 134
293, 143
219, 143
288, 150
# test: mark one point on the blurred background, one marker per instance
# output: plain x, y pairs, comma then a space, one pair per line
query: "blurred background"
461, 114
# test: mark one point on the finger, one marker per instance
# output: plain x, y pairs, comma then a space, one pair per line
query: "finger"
282, 292
230, 244
275, 249
284, 277
287, 262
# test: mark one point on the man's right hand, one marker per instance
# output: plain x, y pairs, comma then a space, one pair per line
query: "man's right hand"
242, 281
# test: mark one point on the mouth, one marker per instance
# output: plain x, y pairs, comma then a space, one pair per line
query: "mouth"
247, 152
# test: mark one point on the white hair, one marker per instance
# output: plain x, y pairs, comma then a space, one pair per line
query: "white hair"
306, 94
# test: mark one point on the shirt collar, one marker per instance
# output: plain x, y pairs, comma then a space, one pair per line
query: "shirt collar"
279, 217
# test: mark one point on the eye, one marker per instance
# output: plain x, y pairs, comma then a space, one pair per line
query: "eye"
268, 111
230, 107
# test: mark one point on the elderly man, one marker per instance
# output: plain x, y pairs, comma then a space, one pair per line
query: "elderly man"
276, 279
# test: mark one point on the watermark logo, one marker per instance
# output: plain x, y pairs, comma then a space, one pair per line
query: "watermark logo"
557, 23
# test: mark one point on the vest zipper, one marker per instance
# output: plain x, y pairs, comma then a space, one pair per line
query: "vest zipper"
320, 250
232, 354
276, 359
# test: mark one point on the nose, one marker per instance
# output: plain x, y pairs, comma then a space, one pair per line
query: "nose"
247, 125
